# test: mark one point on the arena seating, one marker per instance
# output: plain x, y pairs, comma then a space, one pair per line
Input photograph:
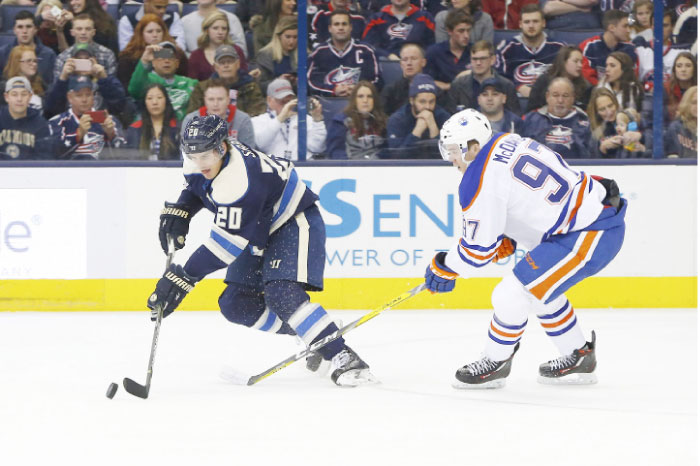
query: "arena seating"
390, 70
6, 38
331, 107
8, 13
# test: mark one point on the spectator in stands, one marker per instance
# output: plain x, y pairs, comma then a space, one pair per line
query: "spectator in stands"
279, 57
528, 55
683, 77
24, 133
105, 27
273, 11
571, 14
559, 125
492, 102
505, 14
642, 15
682, 134
83, 133
110, 94
465, 90
602, 112
359, 132
627, 127
193, 24
217, 102
156, 133
397, 23
450, 58
482, 24
25, 34
276, 130
645, 54
50, 27
686, 29
413, 130
162, 59
83, 31
567, 64
214, 33
250, 13
597, 48
336, 67
150, 30
23, 62
619, 78
395, 95
128, 22
244, 91
321, 22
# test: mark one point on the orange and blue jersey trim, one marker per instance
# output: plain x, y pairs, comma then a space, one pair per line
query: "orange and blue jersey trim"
505, 334
473, 179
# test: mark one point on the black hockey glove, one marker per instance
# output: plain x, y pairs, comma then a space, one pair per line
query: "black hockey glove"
171, 289
174, 221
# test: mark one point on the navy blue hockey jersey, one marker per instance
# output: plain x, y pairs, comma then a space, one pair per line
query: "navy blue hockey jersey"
387, 34
64, 127
321, 20
329, 67
570, 135
522, 64
253, 195
595, 51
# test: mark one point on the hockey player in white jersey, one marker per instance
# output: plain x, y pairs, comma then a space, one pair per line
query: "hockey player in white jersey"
517, 191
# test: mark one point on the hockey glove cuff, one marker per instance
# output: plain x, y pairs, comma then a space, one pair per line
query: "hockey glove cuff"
439, 278
174, 221
505, 249
170, 290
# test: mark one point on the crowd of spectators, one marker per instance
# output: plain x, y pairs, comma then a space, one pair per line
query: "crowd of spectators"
96, 79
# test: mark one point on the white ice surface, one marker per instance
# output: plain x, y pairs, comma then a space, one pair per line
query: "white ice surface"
55, 369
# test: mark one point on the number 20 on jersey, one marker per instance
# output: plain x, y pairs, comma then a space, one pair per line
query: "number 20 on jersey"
229, 217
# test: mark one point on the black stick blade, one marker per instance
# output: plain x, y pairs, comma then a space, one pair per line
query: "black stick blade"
135, 389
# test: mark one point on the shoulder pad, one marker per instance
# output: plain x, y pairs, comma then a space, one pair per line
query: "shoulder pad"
232, 183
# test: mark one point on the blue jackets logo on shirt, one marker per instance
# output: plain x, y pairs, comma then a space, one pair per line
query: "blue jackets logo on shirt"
343, 74
399, 30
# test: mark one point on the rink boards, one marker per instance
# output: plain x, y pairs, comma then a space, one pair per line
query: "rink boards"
85, 238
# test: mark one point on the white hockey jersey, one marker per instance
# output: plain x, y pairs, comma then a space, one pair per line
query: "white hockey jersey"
519, 188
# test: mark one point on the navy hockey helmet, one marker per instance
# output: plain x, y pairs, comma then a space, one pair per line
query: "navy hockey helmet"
204, 133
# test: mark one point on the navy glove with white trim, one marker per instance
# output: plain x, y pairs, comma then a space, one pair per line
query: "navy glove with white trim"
171, 289
439, 278
174, 221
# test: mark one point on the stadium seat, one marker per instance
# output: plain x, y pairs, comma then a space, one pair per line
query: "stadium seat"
499, 35
573, 37
8, 13
131, 7
331, 107
188, 8
391, 71
6, 38
523, 104
113, 10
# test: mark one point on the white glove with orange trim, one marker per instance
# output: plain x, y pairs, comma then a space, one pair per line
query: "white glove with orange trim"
439, 278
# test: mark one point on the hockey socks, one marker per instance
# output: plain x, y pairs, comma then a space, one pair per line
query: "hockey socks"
562, 326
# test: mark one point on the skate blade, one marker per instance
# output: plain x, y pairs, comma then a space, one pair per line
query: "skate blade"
356, 377
500, 383
572, 379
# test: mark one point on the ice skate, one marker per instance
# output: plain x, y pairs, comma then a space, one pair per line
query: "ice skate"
576, 368
349, 370
315, 363
484, 373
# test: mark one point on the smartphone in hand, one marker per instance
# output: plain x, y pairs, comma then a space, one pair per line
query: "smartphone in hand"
98, 116
82, 64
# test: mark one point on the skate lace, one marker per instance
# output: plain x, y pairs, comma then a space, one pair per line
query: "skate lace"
481, 366
563, 361
341, 359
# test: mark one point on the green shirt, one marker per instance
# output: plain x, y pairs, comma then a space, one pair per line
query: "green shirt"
179, 88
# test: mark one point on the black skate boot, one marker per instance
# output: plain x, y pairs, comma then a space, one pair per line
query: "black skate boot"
349, 370
485, 373
315, 361
573, 369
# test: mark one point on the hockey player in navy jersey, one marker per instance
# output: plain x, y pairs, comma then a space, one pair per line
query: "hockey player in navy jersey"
517, 191
268, 233
338, 65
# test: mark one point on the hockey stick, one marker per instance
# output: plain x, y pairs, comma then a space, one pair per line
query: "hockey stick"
335, 335
130, 386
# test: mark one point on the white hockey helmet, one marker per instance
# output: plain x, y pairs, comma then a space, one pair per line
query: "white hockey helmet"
459, 129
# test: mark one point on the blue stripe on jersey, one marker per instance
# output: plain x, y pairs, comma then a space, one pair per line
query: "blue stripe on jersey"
503, 342
271, 318
476, 247
510, 327
559, 332
287, 194
562, 215
226, 244
471, 262
556, 314
310, 320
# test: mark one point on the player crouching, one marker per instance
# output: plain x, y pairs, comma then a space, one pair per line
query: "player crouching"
267, 232
517, 191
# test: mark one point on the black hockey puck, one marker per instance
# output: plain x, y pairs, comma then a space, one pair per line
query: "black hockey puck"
112, 390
